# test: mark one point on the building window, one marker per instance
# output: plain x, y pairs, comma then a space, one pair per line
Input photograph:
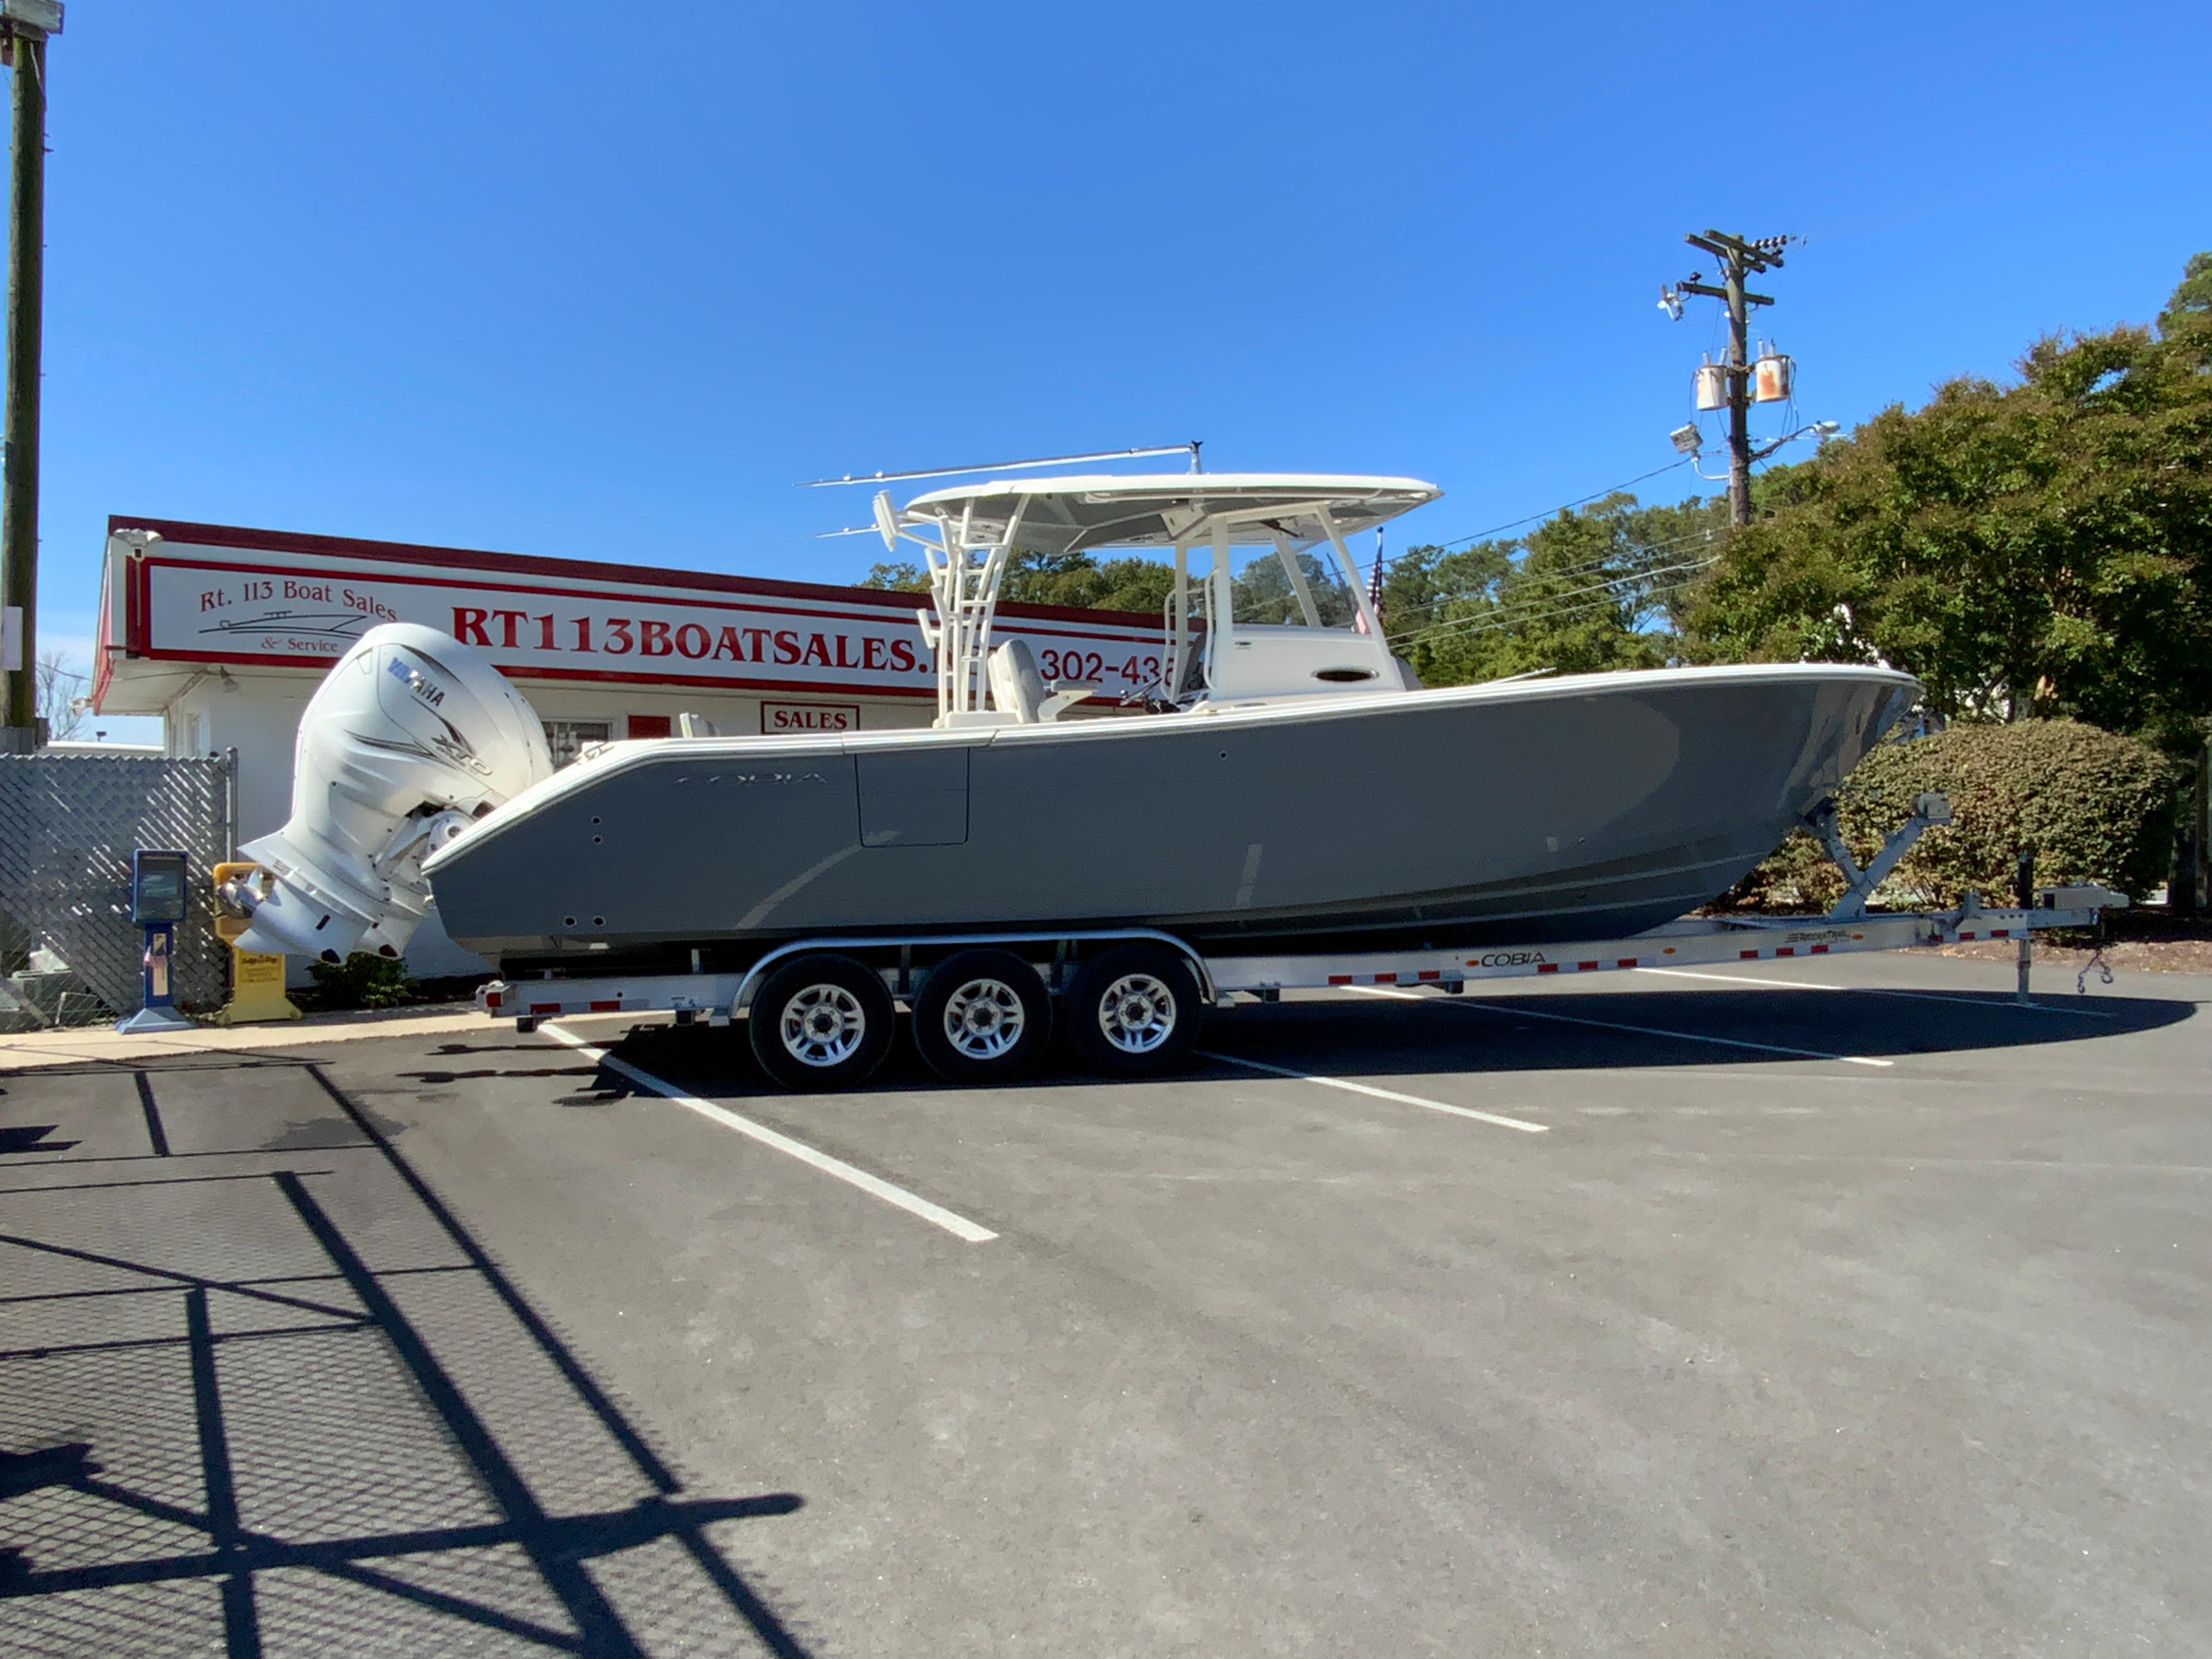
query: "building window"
567, 738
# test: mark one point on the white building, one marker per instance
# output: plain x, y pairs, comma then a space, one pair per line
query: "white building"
225, 633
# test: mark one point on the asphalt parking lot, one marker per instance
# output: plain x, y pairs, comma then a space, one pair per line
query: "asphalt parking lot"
1690, 1315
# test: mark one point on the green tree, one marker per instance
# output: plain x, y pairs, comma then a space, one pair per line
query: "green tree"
902, 577
2192, 301
2041, 549
1590, 590
1078, 580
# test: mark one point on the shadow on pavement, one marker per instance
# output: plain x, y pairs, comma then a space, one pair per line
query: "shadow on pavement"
1719, 1025
1480, 1034
296, 1403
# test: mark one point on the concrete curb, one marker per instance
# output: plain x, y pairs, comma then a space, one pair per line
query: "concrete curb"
101, 1044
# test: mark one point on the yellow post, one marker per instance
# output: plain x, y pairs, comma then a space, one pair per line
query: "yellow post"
257, 978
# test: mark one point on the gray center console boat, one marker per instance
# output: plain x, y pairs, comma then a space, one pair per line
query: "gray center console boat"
1287, 786
1284, 785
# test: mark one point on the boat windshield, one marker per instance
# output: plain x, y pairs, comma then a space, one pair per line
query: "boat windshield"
1297, 588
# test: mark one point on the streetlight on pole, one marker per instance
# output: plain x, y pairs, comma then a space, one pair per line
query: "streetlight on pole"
24, 27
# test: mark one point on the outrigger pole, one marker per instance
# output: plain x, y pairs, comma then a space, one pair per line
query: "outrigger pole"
1191, 448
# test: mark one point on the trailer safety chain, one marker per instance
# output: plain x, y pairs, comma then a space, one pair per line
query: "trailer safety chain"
2097, 961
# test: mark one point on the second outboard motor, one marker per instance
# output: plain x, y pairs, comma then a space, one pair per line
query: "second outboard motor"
411, 738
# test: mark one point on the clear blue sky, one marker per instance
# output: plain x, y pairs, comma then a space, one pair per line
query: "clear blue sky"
600, 281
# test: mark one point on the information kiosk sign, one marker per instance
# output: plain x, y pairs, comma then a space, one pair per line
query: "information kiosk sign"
157, 905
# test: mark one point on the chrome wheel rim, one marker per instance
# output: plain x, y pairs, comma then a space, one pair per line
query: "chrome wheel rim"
984, 1020
1136, 1013
823, 1025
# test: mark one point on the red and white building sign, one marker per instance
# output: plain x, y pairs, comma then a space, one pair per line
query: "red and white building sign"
202, 593
226, 632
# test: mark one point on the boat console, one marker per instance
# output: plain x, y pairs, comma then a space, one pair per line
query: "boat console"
1266, 602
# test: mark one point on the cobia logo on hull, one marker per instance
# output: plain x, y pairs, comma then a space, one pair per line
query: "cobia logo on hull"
1507, 959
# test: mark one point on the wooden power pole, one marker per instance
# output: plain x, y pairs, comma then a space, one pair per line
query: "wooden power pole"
24, 27
1739, 259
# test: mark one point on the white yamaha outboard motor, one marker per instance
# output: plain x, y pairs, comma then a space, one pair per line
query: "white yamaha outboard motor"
412, 738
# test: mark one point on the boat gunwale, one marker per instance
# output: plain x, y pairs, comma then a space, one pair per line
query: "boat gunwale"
617, 758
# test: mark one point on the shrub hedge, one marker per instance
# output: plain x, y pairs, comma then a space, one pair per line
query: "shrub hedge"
2097, 807
361, 981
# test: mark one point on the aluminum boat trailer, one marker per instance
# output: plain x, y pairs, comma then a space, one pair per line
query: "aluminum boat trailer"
820, 1011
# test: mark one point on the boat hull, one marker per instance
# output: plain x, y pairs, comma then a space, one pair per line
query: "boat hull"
1586, 806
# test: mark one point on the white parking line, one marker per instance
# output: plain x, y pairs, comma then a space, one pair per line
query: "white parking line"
1350, 1087
1520, 1007
1875, 991
958, 1225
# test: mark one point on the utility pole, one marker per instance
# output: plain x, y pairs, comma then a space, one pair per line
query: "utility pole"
1739, 259
24, 27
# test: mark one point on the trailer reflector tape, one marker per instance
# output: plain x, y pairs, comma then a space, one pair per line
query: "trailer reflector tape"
1430, 973
606, 1006
1748, 956
1626, 961
1547, 967
1820, 949
545, 1007
1386, 978
1339, 979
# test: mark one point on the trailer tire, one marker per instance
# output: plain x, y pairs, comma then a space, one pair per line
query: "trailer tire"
820, 1022
1134, 1010
981, 1017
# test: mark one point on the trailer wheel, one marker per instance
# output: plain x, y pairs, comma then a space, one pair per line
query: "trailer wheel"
1134, 1011
981, 1017
820, 1022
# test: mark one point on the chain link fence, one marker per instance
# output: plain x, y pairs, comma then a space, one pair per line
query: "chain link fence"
68, 826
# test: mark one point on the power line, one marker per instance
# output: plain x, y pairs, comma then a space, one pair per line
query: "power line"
1564, 610
1559, 572
1533, 606
1522, 569
1503, 616
1488, 627
1551, 511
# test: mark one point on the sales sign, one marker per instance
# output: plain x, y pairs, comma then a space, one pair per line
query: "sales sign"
214, 604
780, 719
